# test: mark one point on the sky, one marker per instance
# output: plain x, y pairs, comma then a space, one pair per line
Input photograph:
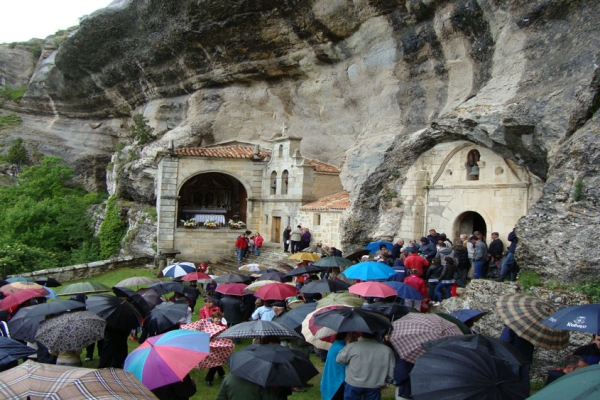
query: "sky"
21, 20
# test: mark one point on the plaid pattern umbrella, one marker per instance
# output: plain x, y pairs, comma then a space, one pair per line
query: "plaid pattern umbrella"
45, 381
71, 331
523, 314
414, 329
252, 329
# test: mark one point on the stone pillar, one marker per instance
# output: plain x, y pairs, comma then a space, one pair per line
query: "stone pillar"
166, 202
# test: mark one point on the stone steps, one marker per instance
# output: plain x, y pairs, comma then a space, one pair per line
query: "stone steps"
269, 256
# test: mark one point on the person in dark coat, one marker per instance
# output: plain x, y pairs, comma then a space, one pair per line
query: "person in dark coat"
525, 347
397, 249
590, 352
287, 234
569, 364
176, 391
114, 348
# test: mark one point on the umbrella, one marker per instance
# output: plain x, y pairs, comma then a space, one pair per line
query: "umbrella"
347, 319
581, 384
18, 286
71, 331
305, 256
178, 269
3, 282
392, 310
414, 329
491, 346
369, 271
268, 365
51, 293
284, 266
19, 279
274, 276
455, 372
253, 287
167, 358
310, 329
293, 318
252, 268
373, 289
467, 314
405, 291
164, 316
463, 328
233, 278
373, 247
305, 269
325, 286
151, 296
276, 291
252, 329
220, 349
38, 381
167, 287
195, 276
583, 318
137, 281
232, 289
11, 350
140, 304
83, 288
344, 299
48, 282
523, 314
330, 262
317, 249
117, 311
17, 298
357, 255
24, 324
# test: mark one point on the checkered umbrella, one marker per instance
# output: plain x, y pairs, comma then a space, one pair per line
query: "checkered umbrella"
45, 381
220, 348
259, 328
414, 329
523, 314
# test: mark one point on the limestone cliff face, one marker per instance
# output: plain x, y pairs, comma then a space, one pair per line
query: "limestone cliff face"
369, 84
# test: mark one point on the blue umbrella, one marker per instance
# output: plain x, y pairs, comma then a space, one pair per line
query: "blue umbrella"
373, 247
466, 314
405, 291
11, 350
369, 271
51, 293
584, 318
18, 279
179, 269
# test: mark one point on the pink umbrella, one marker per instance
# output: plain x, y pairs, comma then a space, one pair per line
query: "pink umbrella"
17, 298
233, 289
220, 348
195, 276
373, 289
310, 330
276, 291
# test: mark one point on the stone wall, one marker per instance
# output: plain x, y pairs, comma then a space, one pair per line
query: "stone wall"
324, 226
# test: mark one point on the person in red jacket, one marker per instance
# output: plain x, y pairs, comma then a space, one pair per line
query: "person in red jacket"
241, 244
258, 242
415, 261
418, 283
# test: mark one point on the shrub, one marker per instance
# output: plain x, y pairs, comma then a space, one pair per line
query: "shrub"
529, 279
14, 94
17, 153
112, 230
141, 131
591, 289
9, 121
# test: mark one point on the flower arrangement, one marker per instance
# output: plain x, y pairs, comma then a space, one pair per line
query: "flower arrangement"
236, 225
188, 223
211, 224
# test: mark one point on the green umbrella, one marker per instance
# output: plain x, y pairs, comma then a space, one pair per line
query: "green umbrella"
345, 299
84, 288
582, 384
329, 262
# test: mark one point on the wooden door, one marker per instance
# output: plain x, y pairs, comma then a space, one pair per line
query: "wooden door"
276, 231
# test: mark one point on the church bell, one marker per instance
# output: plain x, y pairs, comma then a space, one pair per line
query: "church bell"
474, 171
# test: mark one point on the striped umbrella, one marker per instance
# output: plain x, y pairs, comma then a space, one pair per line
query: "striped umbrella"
523, 315
178, 269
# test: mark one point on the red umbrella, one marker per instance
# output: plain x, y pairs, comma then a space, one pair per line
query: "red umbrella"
373, 289
194, 276
276, 291
18, 286
233, 289
13, 300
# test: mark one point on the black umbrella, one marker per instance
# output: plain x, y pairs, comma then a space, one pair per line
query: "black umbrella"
24, 324
392, 310
493, 347
305, 269
233, 278
296, 315
151, 296
270, 365
48, 282
117, 311
346, 319
325, 286
274, 276
136, 299
164, 316
332, 262
453, 372
167, 287
252, 329
11, 350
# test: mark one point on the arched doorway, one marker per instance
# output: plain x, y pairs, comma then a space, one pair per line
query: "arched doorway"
213, 193
469, 222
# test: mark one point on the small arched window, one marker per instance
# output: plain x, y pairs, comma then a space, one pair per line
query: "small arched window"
280, 155
273, 182
472, 165
284, 182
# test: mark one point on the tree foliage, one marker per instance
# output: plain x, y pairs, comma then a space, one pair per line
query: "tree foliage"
112, 230
43, 219
17, 153
141, 130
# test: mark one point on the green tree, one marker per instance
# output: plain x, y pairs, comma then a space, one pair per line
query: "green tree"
141, 130
17, 153
112, 230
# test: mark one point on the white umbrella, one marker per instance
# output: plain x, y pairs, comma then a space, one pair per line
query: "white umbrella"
178, 269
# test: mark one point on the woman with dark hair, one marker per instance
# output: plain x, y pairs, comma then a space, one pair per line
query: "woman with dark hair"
590, 352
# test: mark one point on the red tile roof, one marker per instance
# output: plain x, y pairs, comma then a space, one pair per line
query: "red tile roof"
322, 167
337, 201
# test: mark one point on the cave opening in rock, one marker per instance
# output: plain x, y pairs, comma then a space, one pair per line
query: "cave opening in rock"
469, 222
213, 196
